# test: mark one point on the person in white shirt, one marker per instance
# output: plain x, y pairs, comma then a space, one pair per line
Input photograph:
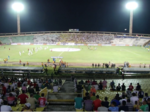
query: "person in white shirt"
123, 99
55, 88
5, 107
134, 98
14, 93
6, 85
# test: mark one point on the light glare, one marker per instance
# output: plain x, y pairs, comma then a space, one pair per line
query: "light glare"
131, 5
18, 7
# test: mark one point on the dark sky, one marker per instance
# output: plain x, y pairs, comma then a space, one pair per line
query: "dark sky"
85, 15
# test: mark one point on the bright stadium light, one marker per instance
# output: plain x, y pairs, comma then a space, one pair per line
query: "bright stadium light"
18, 7
131, 6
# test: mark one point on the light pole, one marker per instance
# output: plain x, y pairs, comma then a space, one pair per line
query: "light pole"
131, 6
18, 7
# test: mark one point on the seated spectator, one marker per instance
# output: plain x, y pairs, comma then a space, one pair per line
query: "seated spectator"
88, 104
146, 97
5, 107
136, 106
148, 103
123, 94
97, 103
34, 84
123, 87
78, 102
104, 84
106, 103
22, 97
118, 87
42, 101
102, 108
113, 107
11, 100
32, 101
134, 98
123, 99
8, 90
31, 90
88, 81
123, 107
129, 94
141, 94
138, 87
6, 84
19, 84
27, 108
86, 95
79, 88
93, 97
94, 82
37, 88
131, 87
93, 90
100, 85
55, 88
129, 104
14, 93
116, 100
3, 90
24, 88
17, 91
144, 107
37, 96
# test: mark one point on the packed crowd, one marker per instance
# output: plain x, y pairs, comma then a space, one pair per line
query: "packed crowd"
25, 92
129, 100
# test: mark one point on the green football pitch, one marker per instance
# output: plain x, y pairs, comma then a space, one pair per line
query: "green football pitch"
99, 54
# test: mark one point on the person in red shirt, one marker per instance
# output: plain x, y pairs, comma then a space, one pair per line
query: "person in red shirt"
42, 101
131, 87
34, 85
11, 100
22, 97
29, 82
93, 90
97, 103
3, 90
19, 84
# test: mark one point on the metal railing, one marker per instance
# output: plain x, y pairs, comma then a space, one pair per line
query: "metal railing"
93, 32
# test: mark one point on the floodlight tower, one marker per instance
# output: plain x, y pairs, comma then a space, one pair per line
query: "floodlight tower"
131, 6
18, 7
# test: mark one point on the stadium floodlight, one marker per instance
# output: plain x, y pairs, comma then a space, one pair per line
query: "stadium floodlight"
131, 6
18, 7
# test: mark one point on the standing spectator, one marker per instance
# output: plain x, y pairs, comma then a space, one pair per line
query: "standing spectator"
55, 88
118, 87
97, 103
112, 85
42, 101
134, 98
144, 107
104, 84
138, 87
100, 85
129, 104
22, 98
129, 94
102, 108
32, 101
88, 104
113, 107
131, 87
123, 107
78, 102
5, 107
93, 97
27, 108
93, 90
123, 87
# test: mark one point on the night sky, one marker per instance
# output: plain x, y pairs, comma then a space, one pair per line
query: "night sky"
85, 15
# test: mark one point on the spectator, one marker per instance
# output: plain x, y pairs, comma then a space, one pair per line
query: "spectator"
17, 92
118, 87
1, 100
32, 101
116, 100
37, 96
129, 94
113, 107
123, 99
148, 103
88, 104
42, 101
123, 87
37, 88
8, 90
129, 104
104, 84
93, 90
3, 90
136, 106
31, 90
5, 107
144, 107
79, 88
123, 107
55, 88
131, 87
102, 108
93, 97
81, 82
138, 87
27, 108
11, 100
14, 93
134, 98
146, 97
97, 103
112, 85
106, 103
60, 82
6, 84
22, 98
100, 85
78, 102
86, 95
141, 94
24, 88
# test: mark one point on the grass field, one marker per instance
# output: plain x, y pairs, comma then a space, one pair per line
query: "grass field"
103, 54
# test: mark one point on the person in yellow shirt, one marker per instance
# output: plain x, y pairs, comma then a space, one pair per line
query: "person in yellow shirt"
53, 62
